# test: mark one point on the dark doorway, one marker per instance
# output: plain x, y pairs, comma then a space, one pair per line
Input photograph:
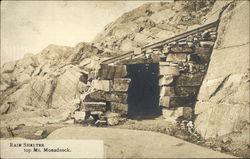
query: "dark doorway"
143, 92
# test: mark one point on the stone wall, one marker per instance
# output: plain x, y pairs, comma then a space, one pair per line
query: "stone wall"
106, 93
223, 100
183, 65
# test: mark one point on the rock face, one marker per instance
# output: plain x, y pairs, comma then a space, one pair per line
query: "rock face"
151, 22
223, 101
51, 79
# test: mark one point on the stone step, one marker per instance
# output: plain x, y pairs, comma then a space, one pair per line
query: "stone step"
93, 106
107, 96
119, 108
111, 72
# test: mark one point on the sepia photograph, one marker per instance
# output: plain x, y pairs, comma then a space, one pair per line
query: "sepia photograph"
124, 79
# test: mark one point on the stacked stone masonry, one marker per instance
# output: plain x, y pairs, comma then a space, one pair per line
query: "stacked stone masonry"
109, 91
182, 67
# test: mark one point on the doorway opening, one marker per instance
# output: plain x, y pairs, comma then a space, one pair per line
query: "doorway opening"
143, 91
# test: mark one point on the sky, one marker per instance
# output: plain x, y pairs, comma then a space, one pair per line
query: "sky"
30, 26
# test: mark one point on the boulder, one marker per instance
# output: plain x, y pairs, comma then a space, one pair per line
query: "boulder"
79, 116
81, 87
175, 113
4, 108
93, 106
119, 108
3, 87
126, 45
137, 51
23, 78
172, 114
19, 96
41, 90
112, 118
70, 121
113, 121
41, 133
65, 88
8, 67
28, 108
162, 15
164, 34
120, 84
89, 64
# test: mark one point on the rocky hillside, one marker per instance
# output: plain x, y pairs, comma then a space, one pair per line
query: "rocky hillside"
45, 85
152, 22
46, 81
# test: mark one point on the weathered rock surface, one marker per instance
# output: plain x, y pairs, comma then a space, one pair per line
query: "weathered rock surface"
223, 101
51, 79
150, 23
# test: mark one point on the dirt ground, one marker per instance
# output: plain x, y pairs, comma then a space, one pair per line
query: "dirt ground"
124, 143
154, 125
